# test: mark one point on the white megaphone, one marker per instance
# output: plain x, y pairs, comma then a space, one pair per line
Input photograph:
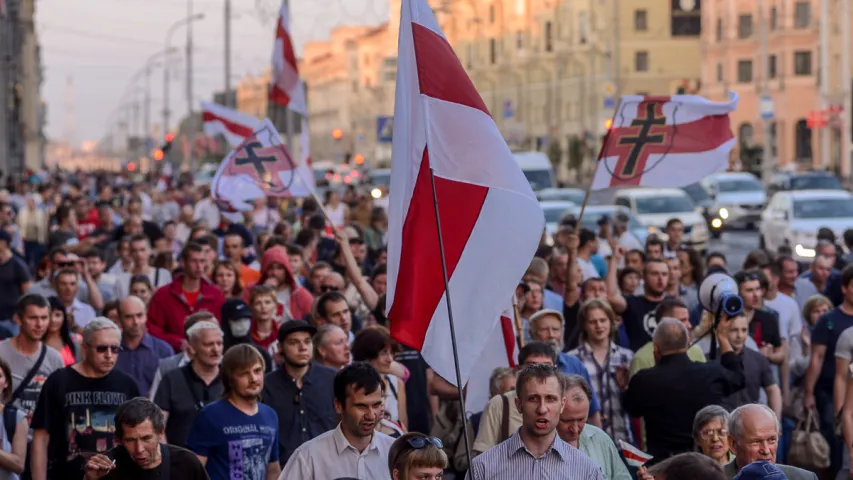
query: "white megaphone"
719, 294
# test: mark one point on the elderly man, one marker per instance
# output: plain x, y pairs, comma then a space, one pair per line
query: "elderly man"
140, 353
753, 436
668, 395
589, 439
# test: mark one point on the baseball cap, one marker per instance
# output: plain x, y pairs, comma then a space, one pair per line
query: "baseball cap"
235, 309
294, 326
762, 470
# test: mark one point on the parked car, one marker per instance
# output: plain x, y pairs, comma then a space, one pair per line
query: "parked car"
654, 207
789, 181
704, 201
793, 218
575, 195
554, 211
537, 169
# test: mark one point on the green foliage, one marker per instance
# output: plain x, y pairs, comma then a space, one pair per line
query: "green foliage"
555, 153
576, 153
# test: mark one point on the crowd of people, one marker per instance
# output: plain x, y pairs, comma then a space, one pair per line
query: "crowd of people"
146, 332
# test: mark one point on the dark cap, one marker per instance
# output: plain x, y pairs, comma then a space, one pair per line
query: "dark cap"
762, 470
294, 326
235, 309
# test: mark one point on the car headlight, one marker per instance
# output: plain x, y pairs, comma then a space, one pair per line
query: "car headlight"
724, 213
376, 193
716, 223
804, 251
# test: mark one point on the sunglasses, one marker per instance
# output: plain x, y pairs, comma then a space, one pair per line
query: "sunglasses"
356, 241
103, 348
65, 264
420, 442
328, 288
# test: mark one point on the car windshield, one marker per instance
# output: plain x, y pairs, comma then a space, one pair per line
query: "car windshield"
568, 195
669, 204
823, 208
539, 179
697, 192
591, 218
739, 185
380, 179
553, 213
815, 182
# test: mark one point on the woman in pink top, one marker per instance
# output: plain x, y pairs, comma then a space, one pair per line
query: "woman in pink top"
59, 334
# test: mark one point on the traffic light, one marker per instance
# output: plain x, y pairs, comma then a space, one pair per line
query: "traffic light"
359, 159
337, 134
158, 154
170, 137
131, 167
608, 123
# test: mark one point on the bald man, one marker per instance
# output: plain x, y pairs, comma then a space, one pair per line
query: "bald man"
669, 394
140, 352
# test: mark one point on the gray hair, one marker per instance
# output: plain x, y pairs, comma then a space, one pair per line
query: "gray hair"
97, 325
495, 378
736, 418
194, 332
670, 335
576, 381
708, 415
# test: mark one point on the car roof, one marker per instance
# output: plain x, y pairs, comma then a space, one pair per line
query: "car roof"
731, 175
380, 171
817, 194
812, 173
557, 204
651, 192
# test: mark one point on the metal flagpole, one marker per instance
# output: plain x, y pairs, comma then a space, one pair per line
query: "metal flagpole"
450, 318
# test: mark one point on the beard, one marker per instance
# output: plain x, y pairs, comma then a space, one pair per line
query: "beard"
557, 345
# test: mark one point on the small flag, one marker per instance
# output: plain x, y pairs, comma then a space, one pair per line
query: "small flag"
233, 125
633, 455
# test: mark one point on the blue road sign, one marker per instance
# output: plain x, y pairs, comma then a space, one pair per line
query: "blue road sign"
609, 102
508, 111
766, 107
385, 129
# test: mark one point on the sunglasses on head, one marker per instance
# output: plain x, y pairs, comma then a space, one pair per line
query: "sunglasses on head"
420, 442
103, 348
328, 288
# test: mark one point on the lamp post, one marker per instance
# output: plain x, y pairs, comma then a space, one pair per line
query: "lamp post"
169, 33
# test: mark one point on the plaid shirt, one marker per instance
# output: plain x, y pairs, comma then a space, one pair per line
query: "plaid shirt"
614, 420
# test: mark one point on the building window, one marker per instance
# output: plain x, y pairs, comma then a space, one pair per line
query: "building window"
802, 14
771, 66
744, 26
390, 76
640, 21
493, 51
803, 63
491, 14
548, 39
390, 62
519, 41
641, 61
803, 141
774, 17
719, 72
719, 29
582, 26
744, 71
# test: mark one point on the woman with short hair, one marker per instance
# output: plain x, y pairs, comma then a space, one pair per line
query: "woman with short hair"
415, 456
710, 432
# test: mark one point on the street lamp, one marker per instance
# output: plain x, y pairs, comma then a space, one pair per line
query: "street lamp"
169, 33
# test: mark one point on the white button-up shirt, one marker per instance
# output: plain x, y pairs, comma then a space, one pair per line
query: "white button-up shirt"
83, 312
331, 456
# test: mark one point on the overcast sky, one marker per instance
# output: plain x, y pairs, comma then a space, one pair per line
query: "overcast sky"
101, 44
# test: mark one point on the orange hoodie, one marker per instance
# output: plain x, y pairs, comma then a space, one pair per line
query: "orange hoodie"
300, 298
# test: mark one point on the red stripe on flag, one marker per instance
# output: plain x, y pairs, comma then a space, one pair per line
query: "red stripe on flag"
235, 128
420, 285
629, 455
286, 46
440, 74
279, 96
509, 340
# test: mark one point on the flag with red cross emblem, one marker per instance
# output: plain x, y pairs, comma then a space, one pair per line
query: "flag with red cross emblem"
665, 141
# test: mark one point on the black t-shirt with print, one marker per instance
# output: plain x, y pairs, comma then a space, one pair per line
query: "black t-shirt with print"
78, 413
182, 465
639, 321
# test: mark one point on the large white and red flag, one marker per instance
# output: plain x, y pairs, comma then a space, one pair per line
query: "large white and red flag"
286, 87
233, 125
491, 222
501, 350
259, 167
665, 141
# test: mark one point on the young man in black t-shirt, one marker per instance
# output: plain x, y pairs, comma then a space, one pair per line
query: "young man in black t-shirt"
139, 427
73, 419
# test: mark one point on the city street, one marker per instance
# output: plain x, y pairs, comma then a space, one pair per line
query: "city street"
735, 246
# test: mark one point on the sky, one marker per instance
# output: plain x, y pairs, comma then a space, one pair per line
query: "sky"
100, 45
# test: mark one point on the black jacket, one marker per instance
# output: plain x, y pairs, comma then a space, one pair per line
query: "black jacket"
669, 394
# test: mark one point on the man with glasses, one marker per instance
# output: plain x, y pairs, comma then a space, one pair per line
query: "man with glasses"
354, 449
87, 288
74, 415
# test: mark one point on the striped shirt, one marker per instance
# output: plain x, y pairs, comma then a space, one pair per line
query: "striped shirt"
614, 420
511, 460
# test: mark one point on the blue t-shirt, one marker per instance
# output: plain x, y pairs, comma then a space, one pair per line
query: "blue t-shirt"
572, 365
237, 446
826, 332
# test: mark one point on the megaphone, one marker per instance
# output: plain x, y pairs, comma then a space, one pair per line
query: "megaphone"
719, 294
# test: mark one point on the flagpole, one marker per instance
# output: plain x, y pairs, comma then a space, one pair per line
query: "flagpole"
598, 159
450, 319
518, 326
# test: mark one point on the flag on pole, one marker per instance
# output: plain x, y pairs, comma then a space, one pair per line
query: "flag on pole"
491, 223
665, 141
286, 87
633, 455
259, 167
233, 125
501, 350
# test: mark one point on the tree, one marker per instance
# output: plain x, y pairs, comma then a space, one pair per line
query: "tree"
576, 153
555, 153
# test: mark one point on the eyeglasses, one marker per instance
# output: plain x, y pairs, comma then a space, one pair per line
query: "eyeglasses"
420, 442
103, 348
711, 432
328, 288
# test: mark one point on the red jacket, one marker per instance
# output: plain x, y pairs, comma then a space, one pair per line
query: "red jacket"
300, 298
169, 309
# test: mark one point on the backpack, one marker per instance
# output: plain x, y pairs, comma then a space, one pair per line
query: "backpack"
10, 421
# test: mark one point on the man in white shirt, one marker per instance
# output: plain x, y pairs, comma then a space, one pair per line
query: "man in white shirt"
586, 248
206, 210
140, 252
66, 286
354, 449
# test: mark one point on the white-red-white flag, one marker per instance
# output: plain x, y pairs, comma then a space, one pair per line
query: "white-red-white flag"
286, 87
501, 350
665, 141
490, 220
233, 125
259, 167
633, 455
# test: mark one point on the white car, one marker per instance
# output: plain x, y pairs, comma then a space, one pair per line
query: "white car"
793, 218
654, 207
554, 211
737, 197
